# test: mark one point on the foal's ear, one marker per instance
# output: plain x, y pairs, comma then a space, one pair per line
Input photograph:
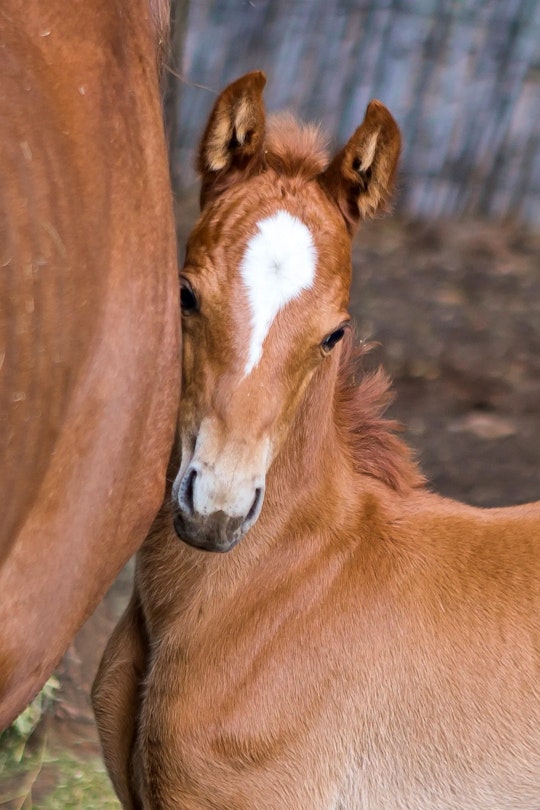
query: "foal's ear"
360, 177
232, 145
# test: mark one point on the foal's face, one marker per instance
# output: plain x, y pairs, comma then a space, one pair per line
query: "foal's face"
264, 297
265, 291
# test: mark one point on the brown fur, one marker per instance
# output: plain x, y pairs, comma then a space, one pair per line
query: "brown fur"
292, 148
89, 384
368, 644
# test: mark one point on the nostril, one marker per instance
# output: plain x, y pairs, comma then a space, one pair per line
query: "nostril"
255, 506
186, 494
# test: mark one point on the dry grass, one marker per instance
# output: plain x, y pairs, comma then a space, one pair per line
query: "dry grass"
32, 775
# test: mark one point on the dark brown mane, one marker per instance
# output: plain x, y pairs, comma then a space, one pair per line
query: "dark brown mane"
294, 148
360, 405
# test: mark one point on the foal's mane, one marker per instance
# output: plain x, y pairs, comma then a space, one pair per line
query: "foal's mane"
360, 402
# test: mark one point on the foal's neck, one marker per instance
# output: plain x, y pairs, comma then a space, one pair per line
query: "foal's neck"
312, 477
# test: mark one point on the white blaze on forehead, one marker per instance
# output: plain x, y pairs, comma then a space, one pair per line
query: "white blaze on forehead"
278, 264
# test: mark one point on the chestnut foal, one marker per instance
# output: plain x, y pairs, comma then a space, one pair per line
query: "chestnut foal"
369, 644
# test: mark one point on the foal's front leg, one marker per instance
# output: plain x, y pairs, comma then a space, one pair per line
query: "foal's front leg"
115, 698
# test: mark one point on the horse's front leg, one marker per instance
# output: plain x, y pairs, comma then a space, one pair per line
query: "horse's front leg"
115, 698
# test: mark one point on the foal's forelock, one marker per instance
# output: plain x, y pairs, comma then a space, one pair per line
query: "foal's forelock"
293, 148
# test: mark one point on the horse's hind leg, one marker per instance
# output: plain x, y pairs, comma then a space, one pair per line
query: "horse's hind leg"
115, 698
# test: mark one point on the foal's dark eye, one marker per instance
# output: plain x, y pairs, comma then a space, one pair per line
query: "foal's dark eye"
188, 299
330, 340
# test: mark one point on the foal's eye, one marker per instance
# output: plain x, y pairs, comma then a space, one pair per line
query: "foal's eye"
188, 299
330, 340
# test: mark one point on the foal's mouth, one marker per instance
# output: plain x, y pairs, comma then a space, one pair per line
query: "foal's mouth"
218, 532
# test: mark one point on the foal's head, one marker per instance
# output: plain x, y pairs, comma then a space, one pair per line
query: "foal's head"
265, 290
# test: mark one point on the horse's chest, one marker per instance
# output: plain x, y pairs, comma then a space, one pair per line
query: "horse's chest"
247, 688
276, 687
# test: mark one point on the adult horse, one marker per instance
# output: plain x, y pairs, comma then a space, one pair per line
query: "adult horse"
367, 643
89, 323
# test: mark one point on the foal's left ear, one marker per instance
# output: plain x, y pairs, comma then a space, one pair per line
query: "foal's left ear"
232, 145
361, 176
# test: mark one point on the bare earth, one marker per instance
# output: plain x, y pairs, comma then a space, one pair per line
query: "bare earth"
455, 310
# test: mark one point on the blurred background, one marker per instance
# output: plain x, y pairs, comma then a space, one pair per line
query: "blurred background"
462, 78
448, 287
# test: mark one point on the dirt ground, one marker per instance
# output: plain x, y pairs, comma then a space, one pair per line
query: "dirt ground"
455, 310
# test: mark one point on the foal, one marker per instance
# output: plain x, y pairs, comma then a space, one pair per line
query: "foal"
368, 644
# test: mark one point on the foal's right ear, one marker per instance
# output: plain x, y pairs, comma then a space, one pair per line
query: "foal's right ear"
232, 145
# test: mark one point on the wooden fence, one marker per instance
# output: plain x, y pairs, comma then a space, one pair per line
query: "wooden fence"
461, 76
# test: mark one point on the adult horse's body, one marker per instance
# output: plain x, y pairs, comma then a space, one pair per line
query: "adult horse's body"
368, 644
89, 324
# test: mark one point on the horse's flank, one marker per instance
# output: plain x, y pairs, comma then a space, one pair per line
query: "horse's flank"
89, 388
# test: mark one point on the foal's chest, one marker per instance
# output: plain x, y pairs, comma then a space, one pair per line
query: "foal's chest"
274, 682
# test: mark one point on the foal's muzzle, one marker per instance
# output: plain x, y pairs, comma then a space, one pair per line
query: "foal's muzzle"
216, 530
